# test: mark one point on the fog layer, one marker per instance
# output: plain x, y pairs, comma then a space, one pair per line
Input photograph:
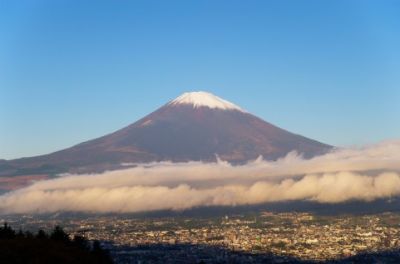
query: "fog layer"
363, 173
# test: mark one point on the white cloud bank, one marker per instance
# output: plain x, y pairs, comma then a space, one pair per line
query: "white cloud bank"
366, 173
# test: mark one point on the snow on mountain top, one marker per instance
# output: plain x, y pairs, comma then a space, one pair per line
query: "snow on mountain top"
204, 99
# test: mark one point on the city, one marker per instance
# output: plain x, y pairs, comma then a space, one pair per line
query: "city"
277, 236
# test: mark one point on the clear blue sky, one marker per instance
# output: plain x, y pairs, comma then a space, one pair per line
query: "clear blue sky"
75, 70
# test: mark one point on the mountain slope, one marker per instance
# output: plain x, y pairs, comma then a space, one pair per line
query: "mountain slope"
195, 126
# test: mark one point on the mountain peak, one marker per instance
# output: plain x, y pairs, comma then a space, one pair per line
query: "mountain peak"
172, 133
204, 99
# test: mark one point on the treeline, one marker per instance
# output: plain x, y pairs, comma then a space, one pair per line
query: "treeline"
54, 247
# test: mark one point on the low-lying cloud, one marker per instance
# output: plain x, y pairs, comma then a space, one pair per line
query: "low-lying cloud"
364, 173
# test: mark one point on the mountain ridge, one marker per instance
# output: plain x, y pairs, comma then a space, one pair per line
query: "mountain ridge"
195, 126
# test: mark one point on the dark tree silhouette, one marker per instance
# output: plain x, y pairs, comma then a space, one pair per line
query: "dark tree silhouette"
81, 242
42, 235
58, 234
6, 232
25, 247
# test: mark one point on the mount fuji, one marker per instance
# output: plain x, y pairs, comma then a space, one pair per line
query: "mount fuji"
196, 126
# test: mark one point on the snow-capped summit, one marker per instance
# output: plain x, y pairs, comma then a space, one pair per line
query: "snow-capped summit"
204, 99
196, 126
